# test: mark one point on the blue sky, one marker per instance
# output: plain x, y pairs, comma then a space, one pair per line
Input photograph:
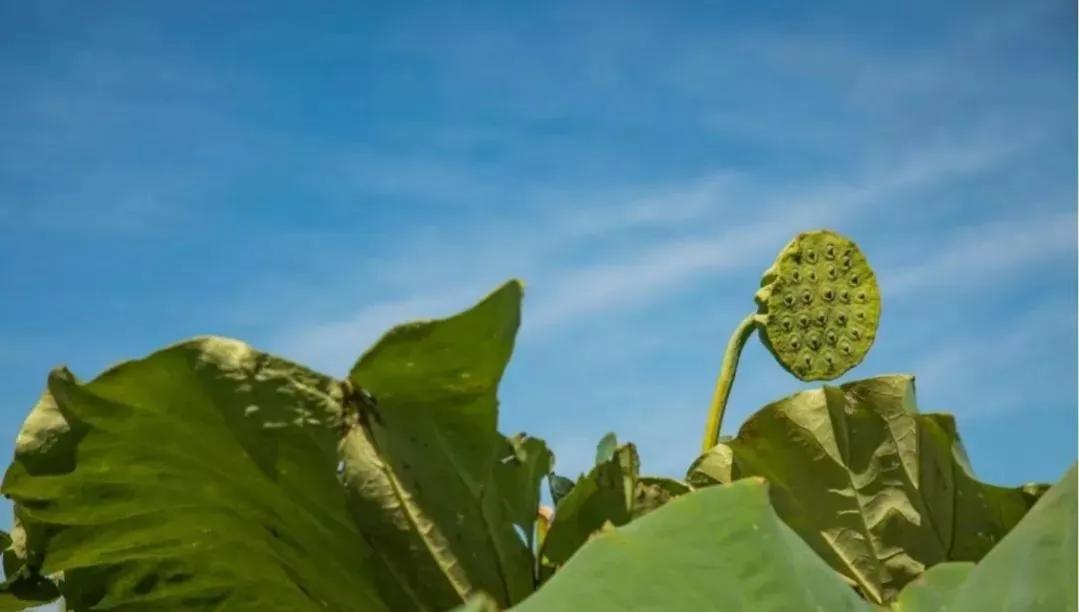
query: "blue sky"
305, 178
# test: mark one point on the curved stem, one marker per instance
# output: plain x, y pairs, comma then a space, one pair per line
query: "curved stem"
726, 379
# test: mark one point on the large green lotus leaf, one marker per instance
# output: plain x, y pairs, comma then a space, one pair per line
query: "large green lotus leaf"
421, 454
201, 477
880, 491
720, 548
1034, 567
934, 590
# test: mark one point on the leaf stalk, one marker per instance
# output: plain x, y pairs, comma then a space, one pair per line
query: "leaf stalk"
726, 380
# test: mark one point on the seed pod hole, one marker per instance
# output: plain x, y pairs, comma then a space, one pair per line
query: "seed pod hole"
860, 315
841, 318
861, 297
828, 294
811, 256
829, 251
844, 296
796, 276
845, 348
829, 360
846, 262
807, 297
814, 342
812, 275
854, 280
795, 343
822, 319
787, 324
803, 320
807, 361
832, 273
831, 337
788, 300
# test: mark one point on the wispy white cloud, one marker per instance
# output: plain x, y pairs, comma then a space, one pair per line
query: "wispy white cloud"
697, 244
659, 269
651, 207
994, 373
430, 178
665, 266
113, 136
987, 252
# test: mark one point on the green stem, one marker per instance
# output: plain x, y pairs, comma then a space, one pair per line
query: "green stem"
726, 379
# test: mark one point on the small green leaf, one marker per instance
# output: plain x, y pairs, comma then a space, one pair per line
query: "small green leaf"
559, 486
605, 494
606, 448
524, 463
721, 548
934, 590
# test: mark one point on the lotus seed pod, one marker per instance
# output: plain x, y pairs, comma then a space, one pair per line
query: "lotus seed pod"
820, 278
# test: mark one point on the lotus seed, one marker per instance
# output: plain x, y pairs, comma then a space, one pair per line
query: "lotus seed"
814, 342
831, 337
846, 262
829, 251
795, 343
